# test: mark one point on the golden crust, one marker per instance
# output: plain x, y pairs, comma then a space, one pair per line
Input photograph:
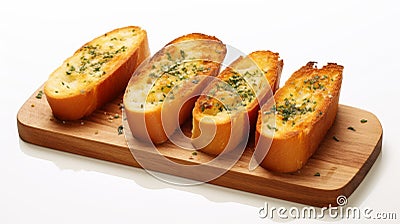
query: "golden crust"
80, 101
152, 128
270, 60
193, 36
266, 61
292, 145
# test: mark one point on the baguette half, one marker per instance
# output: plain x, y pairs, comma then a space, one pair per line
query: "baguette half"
96, 73
227, 107
304, 110
161, 96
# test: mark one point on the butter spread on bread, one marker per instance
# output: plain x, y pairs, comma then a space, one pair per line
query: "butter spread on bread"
231, 104
96, 73
304, 110
162, 93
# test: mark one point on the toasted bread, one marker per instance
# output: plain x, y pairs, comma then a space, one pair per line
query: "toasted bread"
232, 105
304, 110
96, 73
161, 96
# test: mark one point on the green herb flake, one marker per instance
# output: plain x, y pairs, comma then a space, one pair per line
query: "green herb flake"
169, 56
39, 94
317, 174
363, 121
271, 127
194, 153
71, 69
183, 54
120, 130
351, 128
335, 138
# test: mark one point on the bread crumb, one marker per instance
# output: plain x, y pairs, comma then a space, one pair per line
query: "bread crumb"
110, 118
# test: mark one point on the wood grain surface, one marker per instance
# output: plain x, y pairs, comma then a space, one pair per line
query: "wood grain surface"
341, 165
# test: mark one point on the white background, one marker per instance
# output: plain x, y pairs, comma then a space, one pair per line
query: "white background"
40, 185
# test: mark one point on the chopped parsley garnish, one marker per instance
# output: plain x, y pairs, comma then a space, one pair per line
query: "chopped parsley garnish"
70, 70
183, 54
39, 94
363, 121
93, 58
245, 92
351, 128
271, 127
289, 109
335, 138
120, 130
169, 56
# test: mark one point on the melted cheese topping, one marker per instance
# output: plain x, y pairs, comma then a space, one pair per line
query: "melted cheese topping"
93, 62
171, 76
300, 102
169, 69
240, 85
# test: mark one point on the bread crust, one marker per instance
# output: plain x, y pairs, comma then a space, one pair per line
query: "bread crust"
292, 147
152, 128
233, 131
193, 36
78, 103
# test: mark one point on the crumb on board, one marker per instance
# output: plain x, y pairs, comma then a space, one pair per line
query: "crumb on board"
351, 128
335, 138
39, 94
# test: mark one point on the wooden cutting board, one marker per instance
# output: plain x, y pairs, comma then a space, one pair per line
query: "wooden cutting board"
341, 165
